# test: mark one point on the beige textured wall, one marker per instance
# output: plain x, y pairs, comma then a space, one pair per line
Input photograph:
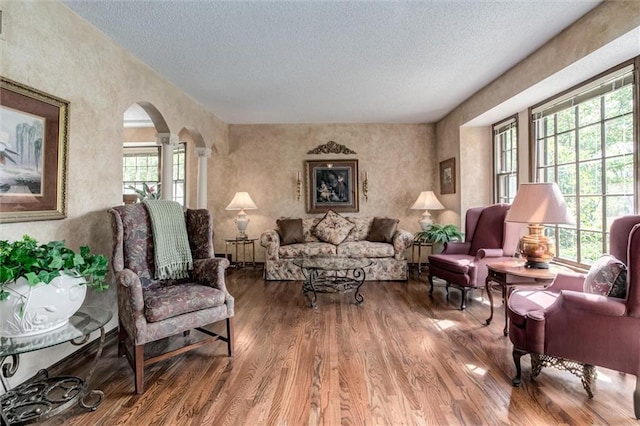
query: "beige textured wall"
264, 160
48, 47
476, 156
602, 25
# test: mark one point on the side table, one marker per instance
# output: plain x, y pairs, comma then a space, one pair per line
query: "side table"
509, 274
42, 396
244, 242
419, 244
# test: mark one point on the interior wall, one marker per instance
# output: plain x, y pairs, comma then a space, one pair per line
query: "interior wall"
597, 28
48, 47
476, 173
264, 160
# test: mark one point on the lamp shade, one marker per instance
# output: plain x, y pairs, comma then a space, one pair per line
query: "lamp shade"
242, 201
539, 203
427, 201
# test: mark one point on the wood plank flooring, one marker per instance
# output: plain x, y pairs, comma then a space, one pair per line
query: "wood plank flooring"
398, 359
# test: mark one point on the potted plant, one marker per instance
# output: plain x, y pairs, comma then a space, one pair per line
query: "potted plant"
32, 274
147, 192
438, 235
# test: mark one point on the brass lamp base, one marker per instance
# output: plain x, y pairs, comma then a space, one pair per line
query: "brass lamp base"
536, 248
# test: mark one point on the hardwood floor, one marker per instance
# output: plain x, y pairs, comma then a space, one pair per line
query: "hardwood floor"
398, 359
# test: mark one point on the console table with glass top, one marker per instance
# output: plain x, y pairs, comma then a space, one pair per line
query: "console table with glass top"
332, 275
42, 396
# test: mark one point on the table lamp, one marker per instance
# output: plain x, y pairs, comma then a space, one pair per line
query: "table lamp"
537, 204
242, 201
426, 201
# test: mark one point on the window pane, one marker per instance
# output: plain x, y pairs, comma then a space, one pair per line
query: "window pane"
591, 177
566, 148
618, 206
566, 119
618, 102
619, 135
619, 176
591, 213
568, 245
589, 112
590, 142
591, 246
546, 152
567, 179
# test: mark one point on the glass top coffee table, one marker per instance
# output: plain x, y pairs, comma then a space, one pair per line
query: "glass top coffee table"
332, 275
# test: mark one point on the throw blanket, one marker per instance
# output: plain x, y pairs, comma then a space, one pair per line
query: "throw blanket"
172, 254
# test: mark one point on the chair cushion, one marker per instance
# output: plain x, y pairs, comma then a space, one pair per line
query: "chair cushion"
290, 231
607, 277
333, 228
382, 230
168, 301
457, 263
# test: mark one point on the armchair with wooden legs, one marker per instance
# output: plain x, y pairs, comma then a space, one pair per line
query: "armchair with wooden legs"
150, 309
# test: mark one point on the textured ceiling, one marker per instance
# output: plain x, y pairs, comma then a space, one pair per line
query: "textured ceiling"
331, 62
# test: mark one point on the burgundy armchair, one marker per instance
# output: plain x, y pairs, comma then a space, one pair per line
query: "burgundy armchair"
488, 239
565, 327
151, 309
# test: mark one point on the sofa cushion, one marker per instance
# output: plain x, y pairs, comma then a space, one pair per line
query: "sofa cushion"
365, 249
309, 228
607, 277
361, 228
382, 230
333, 228
290, 231
293, 251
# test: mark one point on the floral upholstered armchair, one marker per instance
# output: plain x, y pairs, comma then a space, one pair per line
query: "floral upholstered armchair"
151, 309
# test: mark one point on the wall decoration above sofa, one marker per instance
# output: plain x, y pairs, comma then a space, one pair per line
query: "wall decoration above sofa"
332, 185
33, 154
331, 148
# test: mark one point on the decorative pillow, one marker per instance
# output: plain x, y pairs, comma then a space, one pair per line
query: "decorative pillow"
333, 228
607, 277
382, 230
290, 231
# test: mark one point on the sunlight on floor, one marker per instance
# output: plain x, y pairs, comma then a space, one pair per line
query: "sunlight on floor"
444, 324
476, 370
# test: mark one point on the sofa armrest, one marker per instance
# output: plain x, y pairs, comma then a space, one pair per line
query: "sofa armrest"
402, 240
270, 240
456, 247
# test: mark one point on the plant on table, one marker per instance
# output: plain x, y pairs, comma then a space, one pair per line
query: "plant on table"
41, 263
439, 234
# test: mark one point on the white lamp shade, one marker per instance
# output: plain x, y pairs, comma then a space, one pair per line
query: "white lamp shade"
427, 201
242, 201
539, 203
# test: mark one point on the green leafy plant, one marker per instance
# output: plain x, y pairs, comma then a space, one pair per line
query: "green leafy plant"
439, 234
44, 262
147, 192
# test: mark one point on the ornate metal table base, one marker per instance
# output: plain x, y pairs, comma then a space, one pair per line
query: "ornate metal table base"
586, 372
321, 281
44, 396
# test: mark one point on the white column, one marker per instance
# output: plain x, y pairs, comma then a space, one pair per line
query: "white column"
167, 141
203, 154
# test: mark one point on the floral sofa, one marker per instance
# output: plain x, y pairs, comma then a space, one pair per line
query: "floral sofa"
377, 239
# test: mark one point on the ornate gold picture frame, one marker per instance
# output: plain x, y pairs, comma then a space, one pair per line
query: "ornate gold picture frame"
332, 185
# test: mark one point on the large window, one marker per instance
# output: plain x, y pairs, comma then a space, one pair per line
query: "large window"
141, 165
585, 141
505, 168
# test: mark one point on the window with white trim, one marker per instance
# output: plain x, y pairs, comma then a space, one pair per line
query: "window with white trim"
585, 141
505, 167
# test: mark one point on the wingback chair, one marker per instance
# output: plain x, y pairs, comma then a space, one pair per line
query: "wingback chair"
566, 327
488, 239
151, 309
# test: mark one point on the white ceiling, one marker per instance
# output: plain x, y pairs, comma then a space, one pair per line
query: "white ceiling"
331, 61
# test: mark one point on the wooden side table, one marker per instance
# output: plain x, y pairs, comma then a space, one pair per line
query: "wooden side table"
244, 243
513, 273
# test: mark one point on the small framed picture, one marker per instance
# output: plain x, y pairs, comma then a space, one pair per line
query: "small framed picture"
448, 176
332, 185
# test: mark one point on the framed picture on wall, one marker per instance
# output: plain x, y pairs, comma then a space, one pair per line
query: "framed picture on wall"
332, 185
448, 176
33, 153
